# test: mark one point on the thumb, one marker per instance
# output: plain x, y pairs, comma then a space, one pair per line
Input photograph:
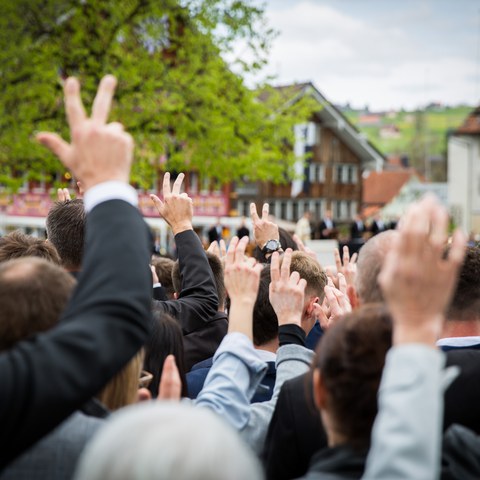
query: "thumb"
157, 202
57, 146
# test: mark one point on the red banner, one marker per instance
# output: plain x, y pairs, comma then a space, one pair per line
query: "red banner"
38, 205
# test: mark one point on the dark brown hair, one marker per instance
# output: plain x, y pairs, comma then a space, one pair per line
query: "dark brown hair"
33, 295
66, 230
165, 339
163, 268
465, 303
17, 244
350, 357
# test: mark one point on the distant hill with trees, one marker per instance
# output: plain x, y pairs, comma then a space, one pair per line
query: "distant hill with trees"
420, 136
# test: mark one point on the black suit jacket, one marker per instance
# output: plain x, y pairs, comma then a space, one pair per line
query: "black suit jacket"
197, 303
375, 228
213, 235
356, 232
462, 397
323, 226
47, 377
296, 431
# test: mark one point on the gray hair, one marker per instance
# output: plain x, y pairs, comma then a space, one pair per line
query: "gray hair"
167, 441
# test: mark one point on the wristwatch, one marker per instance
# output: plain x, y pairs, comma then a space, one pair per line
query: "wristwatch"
271, 246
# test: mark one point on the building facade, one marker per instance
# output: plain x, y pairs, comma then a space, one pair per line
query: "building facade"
331, 176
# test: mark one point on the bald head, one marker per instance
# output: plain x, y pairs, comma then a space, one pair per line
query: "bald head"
369, 264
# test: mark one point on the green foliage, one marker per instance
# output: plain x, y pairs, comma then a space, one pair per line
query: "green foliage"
422, 133
176, 94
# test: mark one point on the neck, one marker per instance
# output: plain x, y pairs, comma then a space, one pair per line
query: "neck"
335, 438
461, 328
271, 346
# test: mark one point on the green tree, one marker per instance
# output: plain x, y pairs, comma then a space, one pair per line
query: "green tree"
177, 94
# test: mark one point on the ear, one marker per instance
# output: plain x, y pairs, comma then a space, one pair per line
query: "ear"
175, 295
352, 297
143, 395
319, 391
309, 305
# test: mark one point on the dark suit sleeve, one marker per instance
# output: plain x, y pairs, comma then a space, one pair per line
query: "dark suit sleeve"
44, 379
198, 301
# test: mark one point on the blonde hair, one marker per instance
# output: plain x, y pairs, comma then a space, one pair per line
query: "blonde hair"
122, 389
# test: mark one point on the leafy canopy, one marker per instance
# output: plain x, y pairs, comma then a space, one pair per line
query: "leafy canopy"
177, 94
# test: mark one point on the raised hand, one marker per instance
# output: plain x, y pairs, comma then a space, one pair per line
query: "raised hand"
218, 249
176, 208
63, 195
348, 268
263, 229
287, 290
98, 151
335, 305
242, 278
418, 279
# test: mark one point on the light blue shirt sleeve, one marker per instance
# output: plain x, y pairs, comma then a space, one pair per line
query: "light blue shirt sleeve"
406, 437
232, 381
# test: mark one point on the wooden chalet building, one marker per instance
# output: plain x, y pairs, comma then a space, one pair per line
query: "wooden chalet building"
331, 179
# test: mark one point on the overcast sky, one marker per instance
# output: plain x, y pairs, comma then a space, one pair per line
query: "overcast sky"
384, 53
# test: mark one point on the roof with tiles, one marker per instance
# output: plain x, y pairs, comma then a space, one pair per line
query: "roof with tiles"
379, 188
471, 125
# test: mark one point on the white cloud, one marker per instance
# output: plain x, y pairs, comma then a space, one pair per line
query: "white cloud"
381, 62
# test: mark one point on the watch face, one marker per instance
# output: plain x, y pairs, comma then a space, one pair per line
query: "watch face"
272, 246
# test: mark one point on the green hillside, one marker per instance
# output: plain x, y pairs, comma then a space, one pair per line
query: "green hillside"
420, 133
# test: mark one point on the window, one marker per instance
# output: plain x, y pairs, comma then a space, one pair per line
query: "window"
295, 211
193, 182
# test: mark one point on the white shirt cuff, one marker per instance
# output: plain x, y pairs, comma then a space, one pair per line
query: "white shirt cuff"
109, 191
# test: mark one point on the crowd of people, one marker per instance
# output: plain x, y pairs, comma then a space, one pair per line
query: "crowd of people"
359, 229
219, 365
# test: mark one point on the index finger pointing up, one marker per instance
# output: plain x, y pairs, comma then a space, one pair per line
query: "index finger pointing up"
73, 103
103, 99
253, 213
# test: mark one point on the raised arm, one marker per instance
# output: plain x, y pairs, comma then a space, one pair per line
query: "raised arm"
418, 280
198, 301
46, 378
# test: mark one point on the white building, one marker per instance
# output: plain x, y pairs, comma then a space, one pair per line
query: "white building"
464, 174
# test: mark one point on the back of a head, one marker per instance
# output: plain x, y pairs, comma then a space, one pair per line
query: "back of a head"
312, 272
163, 268
165, 339
122, 389
217, 271
369, 265
33, 295
17, 245
65, 225
265, 323
465, 305
167, 441
350, 357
